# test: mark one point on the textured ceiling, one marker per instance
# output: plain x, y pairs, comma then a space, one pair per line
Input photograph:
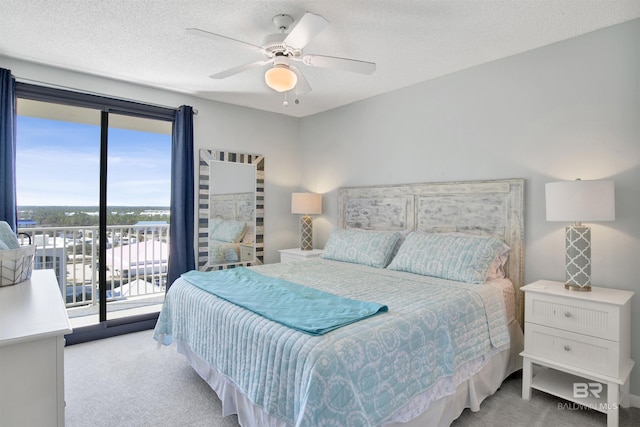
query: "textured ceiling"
144, 41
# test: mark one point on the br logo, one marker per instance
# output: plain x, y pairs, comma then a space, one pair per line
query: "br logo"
583, 390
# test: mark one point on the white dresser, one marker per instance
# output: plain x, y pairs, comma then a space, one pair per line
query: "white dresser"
297, 254
581, 342
33, 322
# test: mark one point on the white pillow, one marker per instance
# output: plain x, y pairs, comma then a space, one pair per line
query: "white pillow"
496, 270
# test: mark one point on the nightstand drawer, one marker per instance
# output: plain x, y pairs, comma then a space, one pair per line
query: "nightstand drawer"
584, 317
575, 350
246, 253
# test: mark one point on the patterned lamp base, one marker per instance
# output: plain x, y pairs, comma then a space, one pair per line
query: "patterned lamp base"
306, 233
578, 258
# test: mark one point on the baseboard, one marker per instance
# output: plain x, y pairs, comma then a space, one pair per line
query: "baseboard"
634, 401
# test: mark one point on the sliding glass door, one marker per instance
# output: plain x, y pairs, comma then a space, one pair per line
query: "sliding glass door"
58, 197
93, 189
138, 193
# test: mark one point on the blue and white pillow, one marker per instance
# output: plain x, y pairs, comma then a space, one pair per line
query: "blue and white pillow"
453, 256
372, 248
8, 237
226, 230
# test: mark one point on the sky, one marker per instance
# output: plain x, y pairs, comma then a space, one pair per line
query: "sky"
57, 164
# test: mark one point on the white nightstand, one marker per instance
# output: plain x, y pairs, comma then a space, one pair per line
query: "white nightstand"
297, 254
581, 341
247, 252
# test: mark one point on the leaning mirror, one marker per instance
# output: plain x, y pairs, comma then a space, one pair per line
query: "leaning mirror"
231, 210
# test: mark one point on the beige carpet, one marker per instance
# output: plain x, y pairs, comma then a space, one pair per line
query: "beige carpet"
128, 381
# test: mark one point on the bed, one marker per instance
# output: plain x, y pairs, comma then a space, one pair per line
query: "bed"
441, 344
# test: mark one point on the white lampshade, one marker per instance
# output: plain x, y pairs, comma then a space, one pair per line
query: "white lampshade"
306, 203
580, 201
280, 78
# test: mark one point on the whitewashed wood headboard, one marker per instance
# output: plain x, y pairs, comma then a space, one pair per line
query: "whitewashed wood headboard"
232, 206
493, 208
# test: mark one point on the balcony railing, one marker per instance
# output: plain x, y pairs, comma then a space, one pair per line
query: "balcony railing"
137, 259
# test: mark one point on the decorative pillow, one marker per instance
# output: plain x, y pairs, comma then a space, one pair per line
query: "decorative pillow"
213, 224
372, 248
8, 236
226, 230
453, 256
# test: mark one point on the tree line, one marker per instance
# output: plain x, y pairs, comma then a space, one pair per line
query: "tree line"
83, 216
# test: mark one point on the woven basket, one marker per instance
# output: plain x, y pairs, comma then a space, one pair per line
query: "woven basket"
16, 265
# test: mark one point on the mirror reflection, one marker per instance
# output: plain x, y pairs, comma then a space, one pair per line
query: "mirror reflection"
231, 212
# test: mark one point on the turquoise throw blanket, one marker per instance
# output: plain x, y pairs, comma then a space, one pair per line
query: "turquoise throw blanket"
299, 307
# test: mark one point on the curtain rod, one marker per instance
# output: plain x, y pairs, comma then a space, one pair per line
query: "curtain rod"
56, 86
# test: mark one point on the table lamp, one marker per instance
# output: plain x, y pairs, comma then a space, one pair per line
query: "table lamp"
306, 204
579, 201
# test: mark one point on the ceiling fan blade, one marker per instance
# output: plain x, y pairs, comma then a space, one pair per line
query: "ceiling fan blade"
302, 86
239, 69
353, 65
218, 37
307, 28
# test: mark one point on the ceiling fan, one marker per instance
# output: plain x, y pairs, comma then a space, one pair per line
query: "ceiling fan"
282, 48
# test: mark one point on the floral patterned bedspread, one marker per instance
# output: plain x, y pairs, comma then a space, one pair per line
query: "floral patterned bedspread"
357, 375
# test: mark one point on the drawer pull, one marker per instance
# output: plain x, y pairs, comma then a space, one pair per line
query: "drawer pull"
567, 348
567, 314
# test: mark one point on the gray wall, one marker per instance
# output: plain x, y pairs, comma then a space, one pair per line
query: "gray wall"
556, 113
217, 126
560, 112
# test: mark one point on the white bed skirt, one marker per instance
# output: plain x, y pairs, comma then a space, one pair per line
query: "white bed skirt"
438, 407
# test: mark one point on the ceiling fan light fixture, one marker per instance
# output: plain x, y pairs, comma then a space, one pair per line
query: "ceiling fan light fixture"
280, 78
